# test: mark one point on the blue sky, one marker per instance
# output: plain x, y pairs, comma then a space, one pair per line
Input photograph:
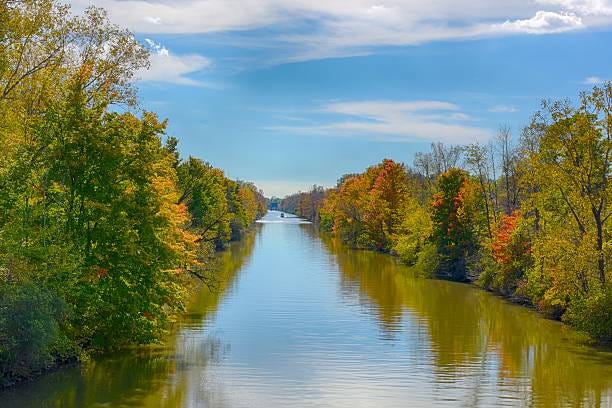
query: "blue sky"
287, 94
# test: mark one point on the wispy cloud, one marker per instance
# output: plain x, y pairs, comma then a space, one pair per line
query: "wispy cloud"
393, 121
593, 80
313, 29
583, 7
175, 69
502, 109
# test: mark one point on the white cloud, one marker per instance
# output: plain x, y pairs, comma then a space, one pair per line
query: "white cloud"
583, 7
381, 108
152, 20
394, 121
167, 67
543, 22
312, 29
502, 109
593, 80
188, 16
460, 116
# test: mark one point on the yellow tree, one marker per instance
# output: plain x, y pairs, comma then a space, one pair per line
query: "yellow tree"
569, 153
385, 202
573, 164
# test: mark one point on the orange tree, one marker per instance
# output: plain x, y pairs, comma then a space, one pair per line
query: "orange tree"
365, 210
384, 203
511, 251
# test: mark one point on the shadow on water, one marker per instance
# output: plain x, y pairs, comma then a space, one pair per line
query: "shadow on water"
477, 338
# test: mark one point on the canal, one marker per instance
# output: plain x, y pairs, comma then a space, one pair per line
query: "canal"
302, 321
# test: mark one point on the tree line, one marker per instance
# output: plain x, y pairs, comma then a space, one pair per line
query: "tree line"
529, 219
304, 204
102, 224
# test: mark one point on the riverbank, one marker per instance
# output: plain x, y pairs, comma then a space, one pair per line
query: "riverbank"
308, 322
520, 301
219, 276
451, 224
103, 224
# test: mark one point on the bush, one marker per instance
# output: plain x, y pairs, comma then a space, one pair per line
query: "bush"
483, 269
511, 251
428, 261
29, 330
414, 233
592, 314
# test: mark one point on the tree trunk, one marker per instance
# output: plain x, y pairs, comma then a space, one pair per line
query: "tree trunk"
484, 193
600, 256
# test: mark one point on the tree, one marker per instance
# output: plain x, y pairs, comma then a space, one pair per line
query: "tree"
349, 205
203, 190
384, 203
305, 205
453, 222
574, 157
99, 221
511, 252
477, 160
503, 139
414, 232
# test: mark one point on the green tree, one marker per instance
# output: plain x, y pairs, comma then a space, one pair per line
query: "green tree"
453, 216
203, 190
574, 156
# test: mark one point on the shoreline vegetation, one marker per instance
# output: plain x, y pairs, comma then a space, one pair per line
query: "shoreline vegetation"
528, 220
104, 228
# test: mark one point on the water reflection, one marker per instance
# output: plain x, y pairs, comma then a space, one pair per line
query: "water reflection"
303, 321
477, 341
157, 376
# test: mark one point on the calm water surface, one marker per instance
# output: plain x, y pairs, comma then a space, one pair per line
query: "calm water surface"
303, 321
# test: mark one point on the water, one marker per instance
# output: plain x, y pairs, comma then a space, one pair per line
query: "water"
305, 322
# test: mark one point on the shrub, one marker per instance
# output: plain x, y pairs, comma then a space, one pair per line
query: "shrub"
592, 314
414, 233
428, 261
511, 252
30, 334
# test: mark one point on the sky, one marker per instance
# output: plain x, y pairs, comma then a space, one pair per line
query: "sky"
288, 94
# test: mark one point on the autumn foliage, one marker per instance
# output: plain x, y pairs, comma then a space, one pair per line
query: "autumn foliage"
366, 209
503, 237
529, 220
102, 225
453, 216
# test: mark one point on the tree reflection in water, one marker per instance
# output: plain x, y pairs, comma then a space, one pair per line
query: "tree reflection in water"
476, 340
167, 375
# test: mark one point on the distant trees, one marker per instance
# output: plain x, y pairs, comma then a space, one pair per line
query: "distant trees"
366, 209
305, 205
100, 221
203, 189
530, 220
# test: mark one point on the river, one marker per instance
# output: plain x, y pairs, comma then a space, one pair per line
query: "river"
302, 321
